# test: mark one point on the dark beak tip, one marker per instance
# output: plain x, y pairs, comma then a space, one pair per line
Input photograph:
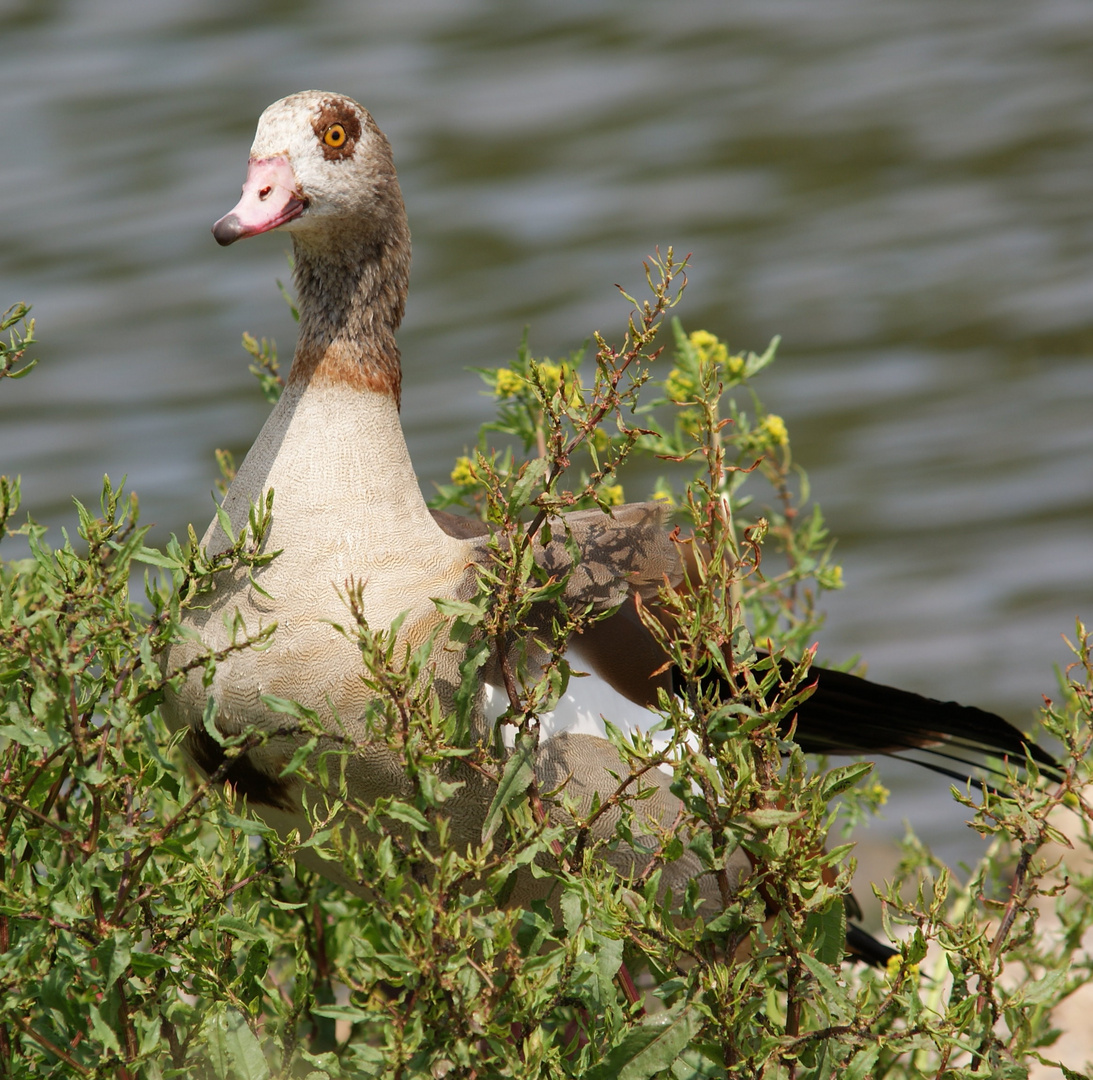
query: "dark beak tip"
227, 230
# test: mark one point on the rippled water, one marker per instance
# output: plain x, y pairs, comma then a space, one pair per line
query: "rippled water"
902, 190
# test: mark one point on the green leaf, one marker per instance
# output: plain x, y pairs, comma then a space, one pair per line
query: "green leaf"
825, 932
515, 779
532, 476
608, 963
289, 708
101, 1030
844, 777
824, 977
772, 818
243, 929
649, 1048
234, 1051
409, 815
1046, 988
145, 964
860, 1066
471, 613
113, 955
225, 523
153, 557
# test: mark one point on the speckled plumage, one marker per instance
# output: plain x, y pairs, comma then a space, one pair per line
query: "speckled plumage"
347, 505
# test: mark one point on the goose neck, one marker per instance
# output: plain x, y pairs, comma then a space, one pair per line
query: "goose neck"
351, 294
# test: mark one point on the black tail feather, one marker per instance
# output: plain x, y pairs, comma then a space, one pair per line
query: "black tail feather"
866, 948
846, 714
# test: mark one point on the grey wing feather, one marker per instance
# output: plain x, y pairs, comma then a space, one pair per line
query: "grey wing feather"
623, 551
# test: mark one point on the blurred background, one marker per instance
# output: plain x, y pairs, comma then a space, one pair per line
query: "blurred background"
901, 190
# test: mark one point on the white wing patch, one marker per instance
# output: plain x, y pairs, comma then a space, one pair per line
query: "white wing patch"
581, 710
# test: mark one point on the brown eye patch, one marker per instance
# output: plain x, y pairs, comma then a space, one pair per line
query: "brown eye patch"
337, 127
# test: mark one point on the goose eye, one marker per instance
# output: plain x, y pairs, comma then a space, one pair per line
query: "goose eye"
335, 136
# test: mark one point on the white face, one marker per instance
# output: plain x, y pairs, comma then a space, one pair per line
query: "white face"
328, 140
317, 158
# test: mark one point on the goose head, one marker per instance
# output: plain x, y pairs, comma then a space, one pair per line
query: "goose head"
318, 162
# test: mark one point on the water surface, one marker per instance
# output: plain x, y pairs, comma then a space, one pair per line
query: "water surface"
901, 190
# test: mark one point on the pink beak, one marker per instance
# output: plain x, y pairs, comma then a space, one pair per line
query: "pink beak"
269, 199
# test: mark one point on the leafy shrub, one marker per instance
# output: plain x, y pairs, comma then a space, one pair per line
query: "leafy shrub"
150, 927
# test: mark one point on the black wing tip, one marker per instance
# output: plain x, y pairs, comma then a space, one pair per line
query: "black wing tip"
847, 714
914, 721
862, 946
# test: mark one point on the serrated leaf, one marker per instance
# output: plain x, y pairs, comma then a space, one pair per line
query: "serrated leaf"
861, 1064
145, 964
101, 1030
531, 477
649, 1048
844, 777
823, 975
1042, 990
826, 932
515, 779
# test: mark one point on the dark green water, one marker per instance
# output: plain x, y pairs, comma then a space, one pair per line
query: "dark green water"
902, 190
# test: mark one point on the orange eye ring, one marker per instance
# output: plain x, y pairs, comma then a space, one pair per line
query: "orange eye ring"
335, 136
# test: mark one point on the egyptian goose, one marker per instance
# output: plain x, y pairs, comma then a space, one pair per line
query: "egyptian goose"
348, 506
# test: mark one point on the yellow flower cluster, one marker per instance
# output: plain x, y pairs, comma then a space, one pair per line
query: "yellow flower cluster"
507, 383
877, 792
774, 430
708, 347
679, 386
551, 375
463, 473
611, 494
894, 966
713, 351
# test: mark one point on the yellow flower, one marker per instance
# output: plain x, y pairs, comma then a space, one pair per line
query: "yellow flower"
550, 375
507, 383
735, 364
877, 793
703, 339
774, 428
679, 386
463, 473
709, 349
611, 494
664, 495
895, 963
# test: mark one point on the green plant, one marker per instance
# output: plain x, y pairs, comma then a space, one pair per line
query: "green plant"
150, 927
